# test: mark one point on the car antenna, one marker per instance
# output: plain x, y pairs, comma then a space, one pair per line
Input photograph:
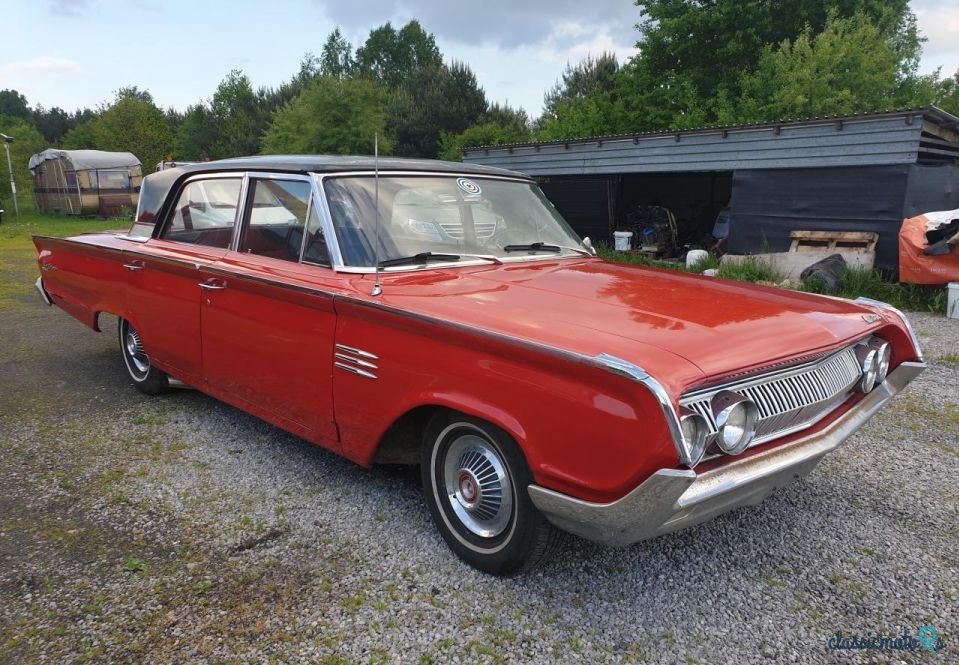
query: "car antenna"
376, 216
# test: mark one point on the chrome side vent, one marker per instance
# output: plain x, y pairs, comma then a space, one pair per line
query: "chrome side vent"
355, 361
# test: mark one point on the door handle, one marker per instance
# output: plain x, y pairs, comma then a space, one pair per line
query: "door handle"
134, 265
210, 286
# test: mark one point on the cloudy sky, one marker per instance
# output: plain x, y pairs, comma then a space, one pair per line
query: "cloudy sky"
72, 53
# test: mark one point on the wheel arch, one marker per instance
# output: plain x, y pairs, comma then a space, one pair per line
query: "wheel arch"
401, 441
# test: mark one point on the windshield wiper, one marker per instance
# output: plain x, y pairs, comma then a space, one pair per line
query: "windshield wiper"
543, 247
422, 257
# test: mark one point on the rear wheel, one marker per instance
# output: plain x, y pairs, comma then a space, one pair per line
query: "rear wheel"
147, 378
475, 481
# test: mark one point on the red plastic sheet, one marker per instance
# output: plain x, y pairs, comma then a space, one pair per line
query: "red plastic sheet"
917, 268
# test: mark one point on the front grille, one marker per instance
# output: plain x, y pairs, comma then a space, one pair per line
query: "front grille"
484, 230
789, 400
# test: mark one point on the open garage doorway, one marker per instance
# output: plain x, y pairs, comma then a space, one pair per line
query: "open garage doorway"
694, 200
595, 206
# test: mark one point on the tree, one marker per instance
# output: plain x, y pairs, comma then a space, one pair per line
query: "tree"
948, 95
587, 101
706, 47
14, 105
80, 137
332, 116
133, 123
850, 66
588, 78
336, 59
196, 135
52, 123
391, 57
433, 100
238, 122
499, 125
26, 142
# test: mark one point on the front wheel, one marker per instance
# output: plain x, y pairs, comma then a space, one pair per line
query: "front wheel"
475, 481
147, 378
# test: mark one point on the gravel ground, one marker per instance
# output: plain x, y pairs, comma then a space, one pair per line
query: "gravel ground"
176, 529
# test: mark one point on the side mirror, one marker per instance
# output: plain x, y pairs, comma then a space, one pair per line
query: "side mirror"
588, 244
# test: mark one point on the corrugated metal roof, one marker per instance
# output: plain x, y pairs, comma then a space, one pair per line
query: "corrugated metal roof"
943, 117
865, 139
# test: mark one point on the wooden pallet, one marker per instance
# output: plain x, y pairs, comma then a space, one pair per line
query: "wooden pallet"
833, 241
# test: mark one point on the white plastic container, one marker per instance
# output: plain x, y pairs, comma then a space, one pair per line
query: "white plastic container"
952, 302
623, 240
695, 256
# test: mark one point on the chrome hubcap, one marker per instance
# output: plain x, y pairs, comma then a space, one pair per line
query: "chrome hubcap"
135, 352
478, 486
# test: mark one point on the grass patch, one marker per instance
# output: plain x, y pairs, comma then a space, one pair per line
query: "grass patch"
858, 282
16, 232
751, 270
952, 358
18, 266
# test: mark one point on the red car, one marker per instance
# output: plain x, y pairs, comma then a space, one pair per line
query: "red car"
445, 315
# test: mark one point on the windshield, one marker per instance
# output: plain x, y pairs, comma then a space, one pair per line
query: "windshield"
443, 215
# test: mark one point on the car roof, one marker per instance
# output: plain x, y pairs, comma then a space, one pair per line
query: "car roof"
342, 163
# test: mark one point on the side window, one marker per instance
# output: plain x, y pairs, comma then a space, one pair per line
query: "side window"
315, 250
276, 218
205, 213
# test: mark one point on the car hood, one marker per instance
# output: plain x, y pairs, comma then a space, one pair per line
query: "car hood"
679, 327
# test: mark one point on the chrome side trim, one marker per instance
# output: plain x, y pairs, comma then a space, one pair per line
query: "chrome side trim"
354, 360
356, 351
43, 291
638, 374
902, 317
673, 499
355, 370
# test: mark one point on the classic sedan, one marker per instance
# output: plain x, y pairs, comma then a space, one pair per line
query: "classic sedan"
445, 315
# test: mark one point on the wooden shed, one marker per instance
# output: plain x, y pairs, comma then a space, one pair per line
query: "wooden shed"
861, 173
86, 182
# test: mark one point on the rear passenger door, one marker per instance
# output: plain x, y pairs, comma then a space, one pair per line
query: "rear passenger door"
163, 275
268, 323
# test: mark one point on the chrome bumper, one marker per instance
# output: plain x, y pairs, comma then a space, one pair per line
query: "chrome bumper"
672, 499
43, 292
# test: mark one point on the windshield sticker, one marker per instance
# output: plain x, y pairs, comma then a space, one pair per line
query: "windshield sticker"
468, 186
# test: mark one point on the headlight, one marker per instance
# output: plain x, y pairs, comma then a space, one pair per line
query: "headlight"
695, 430
883, 358
869, 361
735, 417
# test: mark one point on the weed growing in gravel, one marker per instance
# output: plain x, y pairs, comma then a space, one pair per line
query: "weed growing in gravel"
131, 564
952, 358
